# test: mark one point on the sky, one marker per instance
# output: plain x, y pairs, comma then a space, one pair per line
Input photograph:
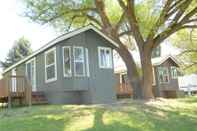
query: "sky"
13, 26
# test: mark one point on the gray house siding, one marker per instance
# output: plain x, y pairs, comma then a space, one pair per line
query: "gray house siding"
98, 88
172, 85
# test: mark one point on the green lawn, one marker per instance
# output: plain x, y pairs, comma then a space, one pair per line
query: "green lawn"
159, 115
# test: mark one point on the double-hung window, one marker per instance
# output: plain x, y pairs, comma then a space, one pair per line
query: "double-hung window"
67, 61
174, 72
50, 65
163, 74
79, 61
105, 57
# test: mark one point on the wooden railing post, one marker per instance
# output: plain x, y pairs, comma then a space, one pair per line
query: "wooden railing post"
28, 92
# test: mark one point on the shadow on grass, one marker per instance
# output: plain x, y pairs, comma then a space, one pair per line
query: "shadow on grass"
190, 99
115, 126
145, 118
36, 118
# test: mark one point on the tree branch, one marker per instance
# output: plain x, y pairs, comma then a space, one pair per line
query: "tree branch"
189, 15
161, 20
134, 23
101, 11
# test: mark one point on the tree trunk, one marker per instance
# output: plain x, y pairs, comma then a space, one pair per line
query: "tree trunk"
147, 76
132, 73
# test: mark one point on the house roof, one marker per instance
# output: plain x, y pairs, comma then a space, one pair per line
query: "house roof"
61, 38
161, 60
155, 62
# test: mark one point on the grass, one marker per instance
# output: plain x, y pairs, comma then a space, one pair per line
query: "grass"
159, 115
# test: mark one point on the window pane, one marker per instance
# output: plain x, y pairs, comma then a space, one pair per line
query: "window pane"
78, 54
102, 57
108, 58
79, 68
50, 72
87, 63
67, 62
50, 58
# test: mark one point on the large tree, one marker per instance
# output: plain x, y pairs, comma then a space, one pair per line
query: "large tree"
148, 22
186, 41
20, 49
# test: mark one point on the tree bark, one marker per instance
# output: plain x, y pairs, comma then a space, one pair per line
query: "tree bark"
147, 76
132, 73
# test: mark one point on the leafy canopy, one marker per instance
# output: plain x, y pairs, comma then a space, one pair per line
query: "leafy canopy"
186, 41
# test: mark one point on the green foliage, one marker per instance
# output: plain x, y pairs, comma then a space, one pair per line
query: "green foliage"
147, 13
186, 41
58, 13
20, 49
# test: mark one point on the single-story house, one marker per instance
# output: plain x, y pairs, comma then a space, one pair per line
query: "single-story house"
165, 78
74, 68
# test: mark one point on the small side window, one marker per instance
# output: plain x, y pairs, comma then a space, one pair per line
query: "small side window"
163, 74
174, 73
105, 57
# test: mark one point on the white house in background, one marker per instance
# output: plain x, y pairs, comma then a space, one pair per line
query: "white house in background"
188, 84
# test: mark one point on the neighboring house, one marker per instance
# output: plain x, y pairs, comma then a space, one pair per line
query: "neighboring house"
165, 76
76, 67
188, 84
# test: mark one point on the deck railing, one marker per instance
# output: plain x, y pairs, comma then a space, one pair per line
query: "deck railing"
16, 87
123, 89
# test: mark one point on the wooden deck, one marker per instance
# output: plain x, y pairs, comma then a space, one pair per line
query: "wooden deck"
123, 90
14, 88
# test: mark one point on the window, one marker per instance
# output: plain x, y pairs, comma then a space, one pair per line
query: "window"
67, 61
156, 52
31, 73
123, 78
154, 81
50, 65
105, 57
87, 62
79, 65
174, 72
163, 74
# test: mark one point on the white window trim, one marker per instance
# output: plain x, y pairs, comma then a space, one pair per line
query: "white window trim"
173, 77
55, 64
69, 48
162, 82
34, 60
79, 47
99, 50
87, 62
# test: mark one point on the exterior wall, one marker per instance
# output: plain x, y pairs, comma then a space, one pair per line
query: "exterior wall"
98, 88
172, 85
